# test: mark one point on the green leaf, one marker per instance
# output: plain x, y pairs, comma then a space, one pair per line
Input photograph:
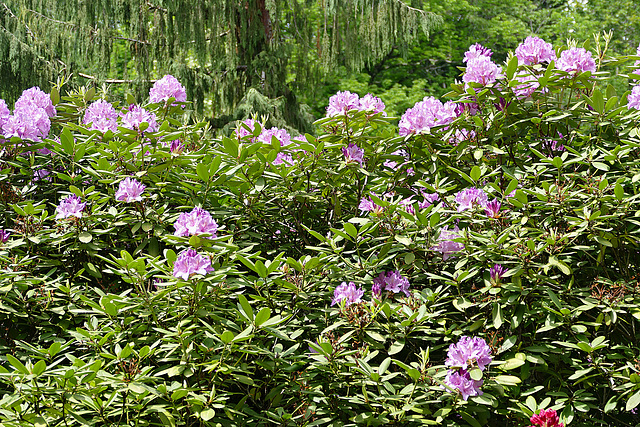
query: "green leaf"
512, 66
17, 364
475, 374
633, 401
85, 237
619, 192
203, 172
207, 414
512, 364
508, 380
476, 173
245, 307
262, 316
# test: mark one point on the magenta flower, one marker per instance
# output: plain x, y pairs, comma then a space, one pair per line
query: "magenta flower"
471, 197
165, 88
528, 86
546, 418
426, 114
102, 116
130, 190
342, 102
35, 98
349, 293
4, 235
378, 285
534, 50
496, 272
576, 60
469, 352
189, 263
492, 209
391, 281
196, 222
367, 205
70, 206
481, 70
446, 245
353, 154
138, 115
242, 131
633, 100
30, 122
461, 380
285, 139
372, 104
429, 199
5, 113
476, 51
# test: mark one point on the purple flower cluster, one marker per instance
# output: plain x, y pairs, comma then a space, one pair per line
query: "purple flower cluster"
189, 263
30, 119
633, 100
480, 68
130, 190
165, 88
461, 358
576, 60
343, 102
4, 235
476, 51
242, 131
284, 138
528, 87
446, 244
471, 197
102, 116
492, 208
353, 154
391, 281
196, 222
349, 293
426, 114
137, 115
367, 205
534, 51
70, 206
546, 418
496, 272
176, 146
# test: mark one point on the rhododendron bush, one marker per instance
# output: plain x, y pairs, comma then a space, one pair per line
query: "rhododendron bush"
473, 262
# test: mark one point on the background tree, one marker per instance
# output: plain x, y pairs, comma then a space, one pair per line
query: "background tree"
250, 53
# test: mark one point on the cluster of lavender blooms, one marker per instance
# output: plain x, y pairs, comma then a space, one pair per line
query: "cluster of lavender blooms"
347, 292
165, 88
137, 115
633, 100
534, 51
472, 197
194, 223
189, 263
101, 116
343, 102
130, 190
496, 272
70, 206
31, 116
461, 358
546, 418
395, 166
480, 68
284, 138
353, 154
426, 114
368, 205
576, 60
391, 281
4, 235
446, 244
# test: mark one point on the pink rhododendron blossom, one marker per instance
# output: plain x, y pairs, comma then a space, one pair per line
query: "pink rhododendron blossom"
5, 113
426, 114
492, 209
372, 103
576, 60
633, 100
70, 206
35, 98
528, 87
353, 154
367, 205
391, 281
242, 131
546, 418
470, 197
349, 293
476, 51
196, 222
481, 70
462, 135
4, 236
130, 190
165, 88
461, 380
138, 115
285, 139
102, 116
429, 199
189, 263
468, 353
446, 245
496, 272
534, 50
30, 123
342, 102
41, 174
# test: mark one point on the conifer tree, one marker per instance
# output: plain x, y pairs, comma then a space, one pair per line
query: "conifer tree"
234, 52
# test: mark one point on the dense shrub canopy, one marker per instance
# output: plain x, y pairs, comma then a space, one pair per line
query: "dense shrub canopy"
472, 264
